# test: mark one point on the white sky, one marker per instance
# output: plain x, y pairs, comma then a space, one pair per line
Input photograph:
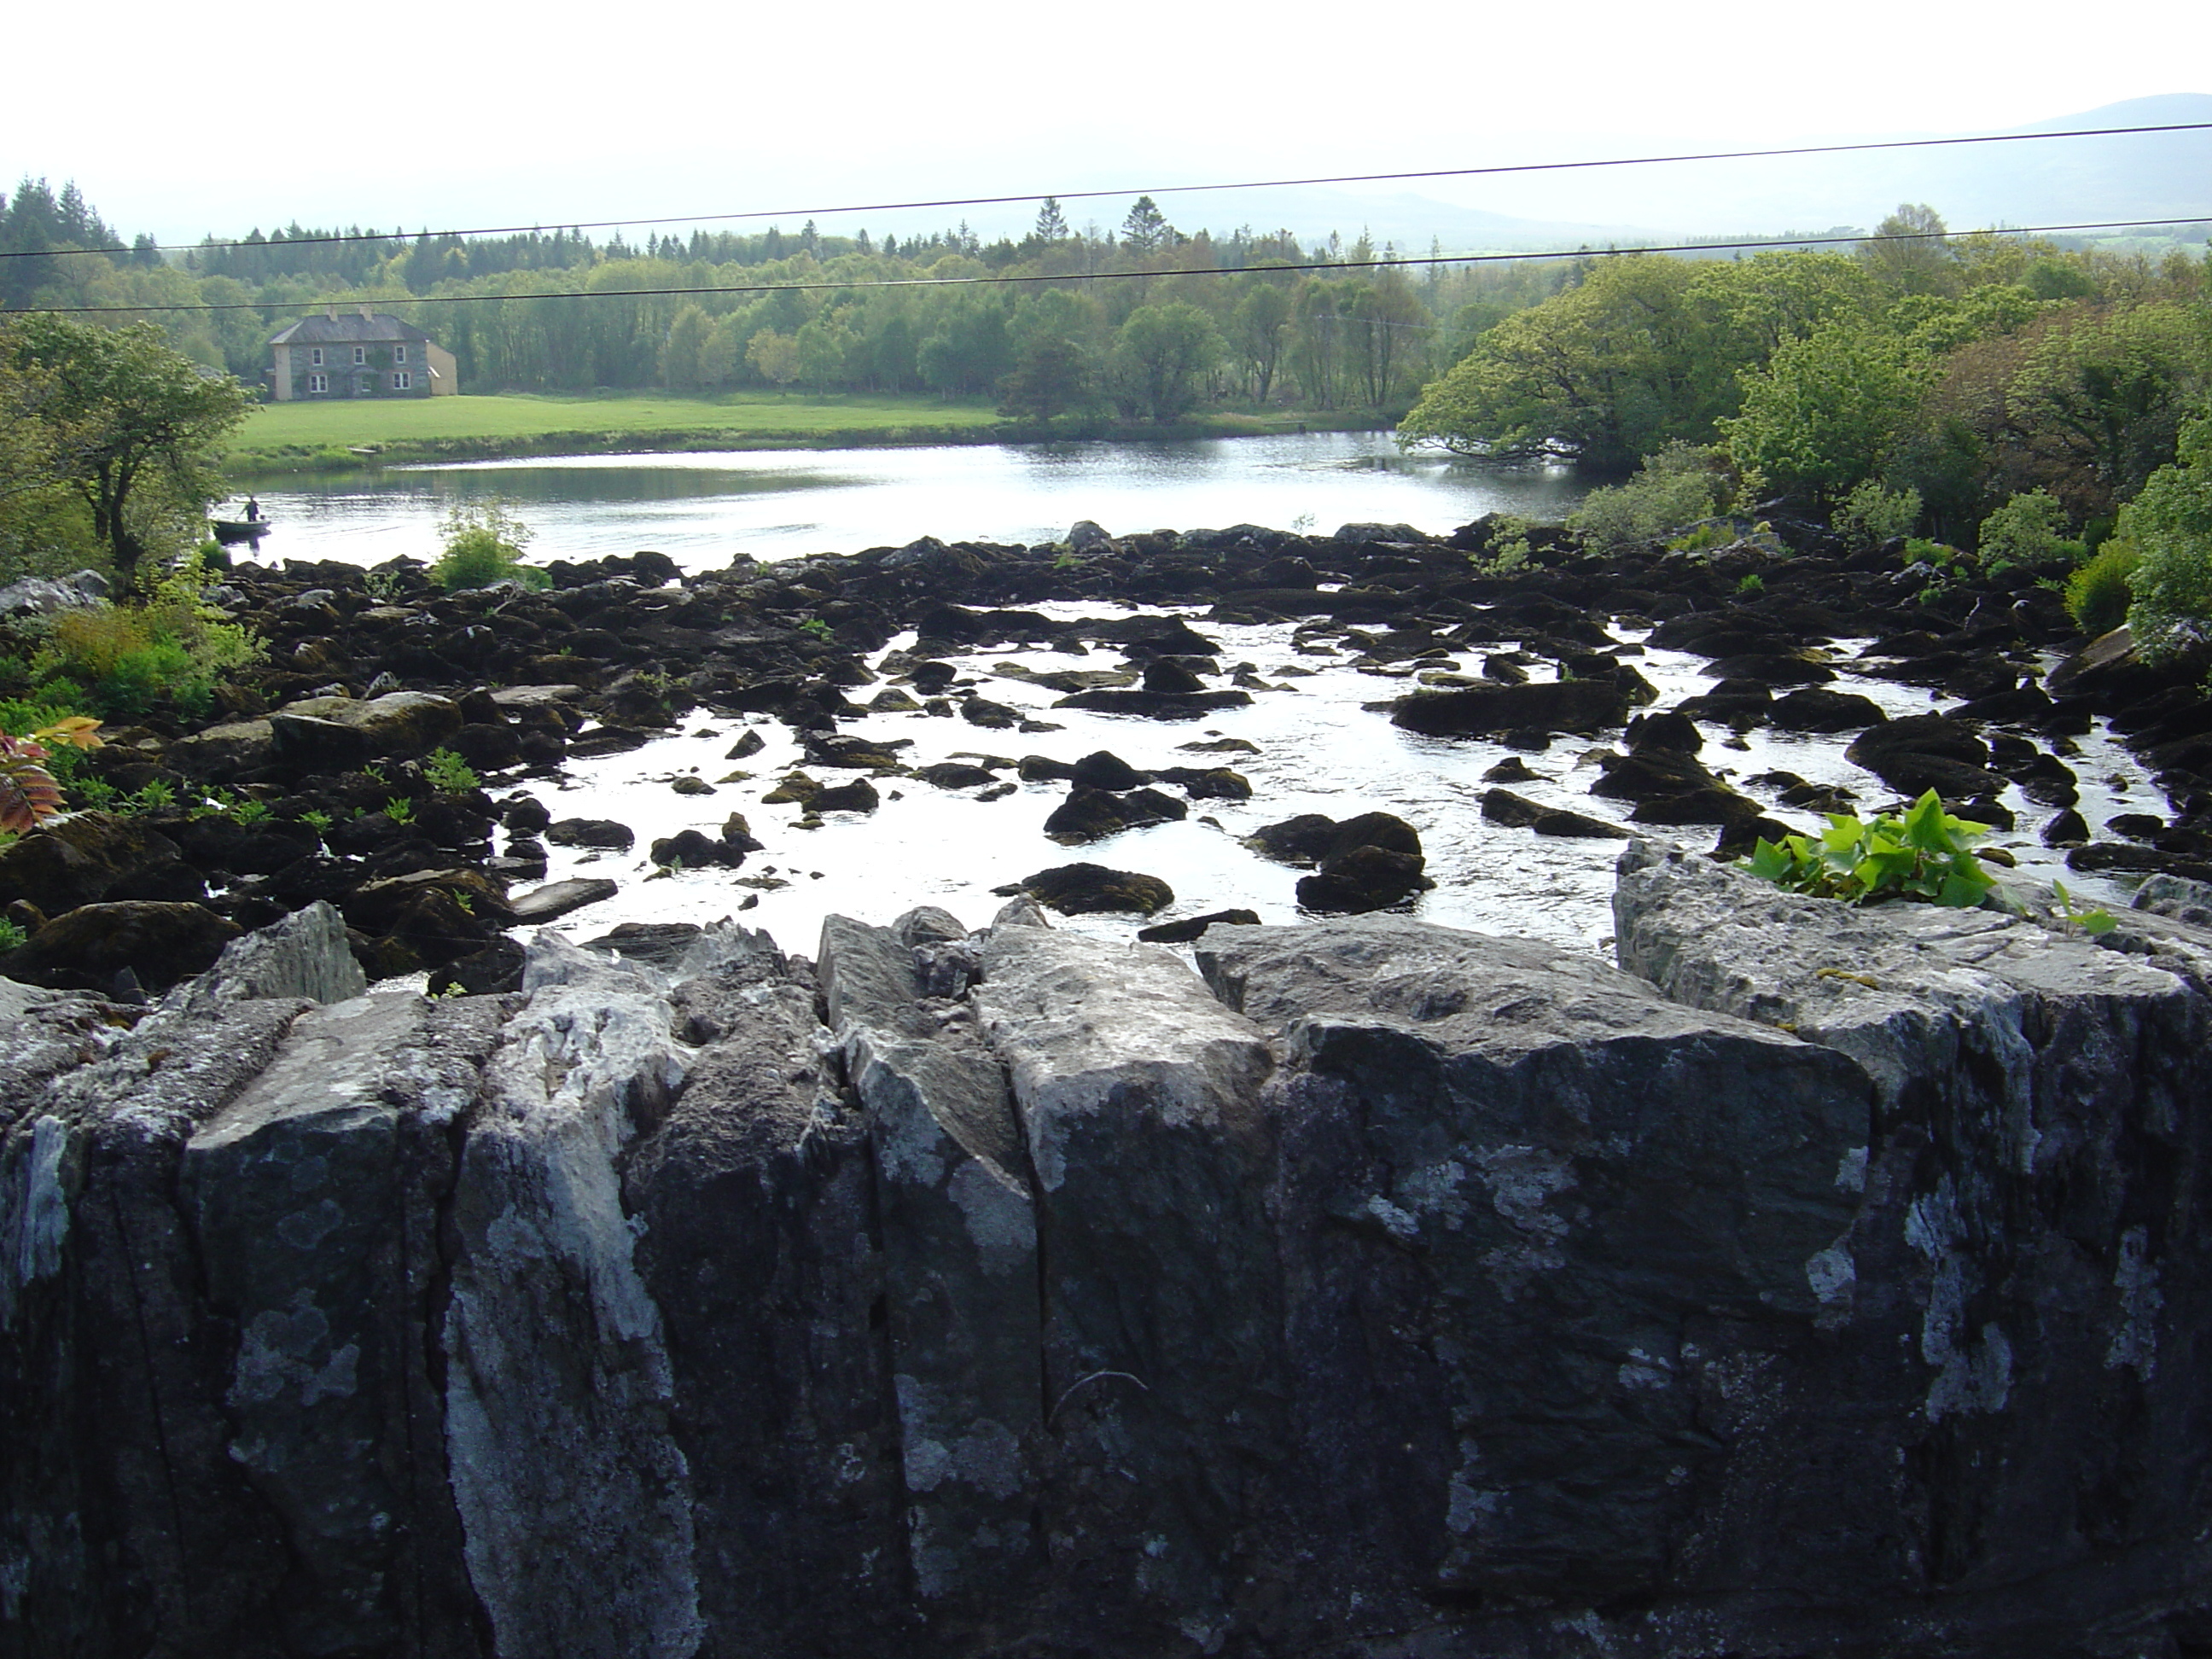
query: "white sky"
185, 120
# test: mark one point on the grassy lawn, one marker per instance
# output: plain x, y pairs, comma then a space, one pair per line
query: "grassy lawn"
416, 419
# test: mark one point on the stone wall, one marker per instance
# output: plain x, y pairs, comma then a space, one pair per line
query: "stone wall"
1828, 1282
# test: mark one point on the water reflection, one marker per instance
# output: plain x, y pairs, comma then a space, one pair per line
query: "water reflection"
702, 509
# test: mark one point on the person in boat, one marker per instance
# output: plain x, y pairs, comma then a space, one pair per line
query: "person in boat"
253, 510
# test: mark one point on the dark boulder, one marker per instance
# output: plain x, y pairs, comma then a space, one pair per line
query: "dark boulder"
1104, 770
1077, 890
1156, 705
1816, 709
80, 857
858, 796
1093, 814
1582, 707
591, 832
1192, 927
86, 947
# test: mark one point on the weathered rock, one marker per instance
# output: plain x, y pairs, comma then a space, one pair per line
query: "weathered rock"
1484, 1152
960, 1257
1104, 770
2012, 1289
327, 734
1139, 1099
558, 1371
219, 753
858, 796
1518, 812
315, 1197
1156, 705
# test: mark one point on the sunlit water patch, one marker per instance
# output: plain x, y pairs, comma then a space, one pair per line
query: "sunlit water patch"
1320, 749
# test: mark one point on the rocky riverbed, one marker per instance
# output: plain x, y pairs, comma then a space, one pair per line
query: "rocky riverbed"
941, 724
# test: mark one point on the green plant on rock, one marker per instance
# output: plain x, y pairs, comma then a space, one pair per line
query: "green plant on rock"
1508, 550
2098, 593
1682, 484
12, 937
1871, 515
815, 626
317, 820
1923, 856
483, 545
399, 810
449, 773
2089, 921
1752, 583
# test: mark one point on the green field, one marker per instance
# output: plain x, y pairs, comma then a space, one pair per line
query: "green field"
328, 436
378, 421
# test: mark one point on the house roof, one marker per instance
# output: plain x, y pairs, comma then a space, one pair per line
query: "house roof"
347, 328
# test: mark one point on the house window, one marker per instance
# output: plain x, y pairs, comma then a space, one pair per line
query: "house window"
361, 353
402, 381
315, 357
318, 382
399, 354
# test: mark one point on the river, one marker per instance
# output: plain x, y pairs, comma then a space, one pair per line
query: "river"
702, 509
1321, 744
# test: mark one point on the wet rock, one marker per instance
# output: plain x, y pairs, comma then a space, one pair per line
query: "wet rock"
1156, 705
858, 796
657, 945
1819, 709
1192, 927
696, 850
1171, 674
86, 947
1362, 878
980, 711
749, 745
543, 904
1517, 812
524, 815
1104, 770
1927, 751
2066, 829
1076, 889
689, 785
957, 774
1585, 706
1672, 732
1512, 770
591, 832
1090, 815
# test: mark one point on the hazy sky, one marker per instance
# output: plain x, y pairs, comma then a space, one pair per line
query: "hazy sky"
182, 120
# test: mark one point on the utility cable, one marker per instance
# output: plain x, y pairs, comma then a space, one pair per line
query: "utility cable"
1157, 190
1069, 278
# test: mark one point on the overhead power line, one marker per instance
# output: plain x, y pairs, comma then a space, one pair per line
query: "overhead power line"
1782, 244
1156, 190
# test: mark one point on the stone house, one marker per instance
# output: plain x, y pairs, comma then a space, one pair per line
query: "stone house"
364, 356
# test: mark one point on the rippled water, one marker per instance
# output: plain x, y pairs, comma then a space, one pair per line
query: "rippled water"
703, 509
1320, 751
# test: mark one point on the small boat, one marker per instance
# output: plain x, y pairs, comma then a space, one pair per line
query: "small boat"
231, 531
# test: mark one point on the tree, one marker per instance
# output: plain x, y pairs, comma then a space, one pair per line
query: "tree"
1146, 229
2170, 527
1161, 357
1260, 323
1051, 222
134, 424
776, 356
1827, 409
1910, 253
683, 353
1606, 371
1051, 375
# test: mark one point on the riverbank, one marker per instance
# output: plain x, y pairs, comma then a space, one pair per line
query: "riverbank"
292, 439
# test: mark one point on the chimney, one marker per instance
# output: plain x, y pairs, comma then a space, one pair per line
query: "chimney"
334, 314
367, 313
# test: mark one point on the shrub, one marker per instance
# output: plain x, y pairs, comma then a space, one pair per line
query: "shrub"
2097, 593
1680, 485
449, 773
1923, 856
1871, 515
2170, 524
2024, 531
483, 545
